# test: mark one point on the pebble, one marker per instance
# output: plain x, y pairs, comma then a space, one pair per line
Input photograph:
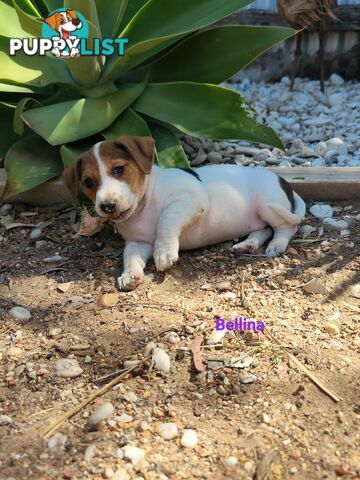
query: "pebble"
189, 438
355, 290
334, 224
131, 397
89, 452
20, 313
245, 379
216, 336
14, 352
161, 360
5, 420
214, 157
124, 418
241, 362
332, 329
167, 430
315, 286
121, 474
134, 454
67, 368
108, 472
54, 332
223, 286
321, 211
40, 244
103, 412
336, 80
107, 300
35, 233
231, 461
57, 442
336, 145
53, 259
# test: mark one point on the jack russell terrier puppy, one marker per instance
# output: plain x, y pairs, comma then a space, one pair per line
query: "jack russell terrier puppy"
159, 211
64, 23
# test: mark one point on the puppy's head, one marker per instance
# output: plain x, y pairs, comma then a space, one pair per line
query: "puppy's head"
113, 174
64, 22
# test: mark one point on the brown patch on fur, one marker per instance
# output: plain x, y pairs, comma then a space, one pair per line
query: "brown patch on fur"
289, 192
54, 20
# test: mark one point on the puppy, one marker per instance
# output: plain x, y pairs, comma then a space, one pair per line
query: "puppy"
161, 211
64, 23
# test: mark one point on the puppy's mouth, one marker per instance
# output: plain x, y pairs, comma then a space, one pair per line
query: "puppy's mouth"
118, 217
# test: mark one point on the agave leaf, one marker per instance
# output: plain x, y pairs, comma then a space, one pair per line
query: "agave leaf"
76, 119
187, 62
30, 23
87, 8
10, 27
86, 70
203, 110
110, 14
20, 107
28, 163
128, 123
174, 20
170, 152
72, 151
34, 70
7, 134
52, 4
27, 6
41, 8
133, 6
7, 87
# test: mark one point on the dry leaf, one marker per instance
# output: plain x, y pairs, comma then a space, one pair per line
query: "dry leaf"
195, 350
64, 287
89, 225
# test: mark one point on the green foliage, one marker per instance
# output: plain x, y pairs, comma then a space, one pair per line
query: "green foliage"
52, 110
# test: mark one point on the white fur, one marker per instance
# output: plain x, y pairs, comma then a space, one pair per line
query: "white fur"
179, 212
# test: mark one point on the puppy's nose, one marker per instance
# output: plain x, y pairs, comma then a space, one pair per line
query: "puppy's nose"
108, 207
76, 22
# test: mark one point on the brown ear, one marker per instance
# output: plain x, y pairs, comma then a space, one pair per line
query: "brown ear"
141, 149
53, 21
71, 177
72, 14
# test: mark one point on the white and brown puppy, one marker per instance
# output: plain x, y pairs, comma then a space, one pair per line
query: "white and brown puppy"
161, 211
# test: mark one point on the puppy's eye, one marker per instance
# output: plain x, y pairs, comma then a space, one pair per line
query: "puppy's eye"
62, 20
88, 183
117, 171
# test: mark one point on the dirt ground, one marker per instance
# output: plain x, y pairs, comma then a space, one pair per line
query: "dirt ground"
281, 426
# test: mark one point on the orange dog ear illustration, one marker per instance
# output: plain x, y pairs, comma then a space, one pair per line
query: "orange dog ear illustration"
72, 14
53, 21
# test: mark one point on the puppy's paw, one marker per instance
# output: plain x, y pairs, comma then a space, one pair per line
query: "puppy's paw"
165, 258
251, 245
276, 248
130, 279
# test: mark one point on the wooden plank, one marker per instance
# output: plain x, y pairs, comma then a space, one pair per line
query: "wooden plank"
312, 183
348, 15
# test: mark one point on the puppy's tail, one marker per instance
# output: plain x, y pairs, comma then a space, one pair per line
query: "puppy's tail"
292, 218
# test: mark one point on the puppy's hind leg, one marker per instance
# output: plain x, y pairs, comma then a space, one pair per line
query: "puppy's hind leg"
281, 240
254, 241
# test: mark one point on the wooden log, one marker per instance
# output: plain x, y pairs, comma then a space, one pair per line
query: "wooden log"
348, 15
312, 183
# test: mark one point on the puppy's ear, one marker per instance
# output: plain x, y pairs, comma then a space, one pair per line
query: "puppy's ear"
53, 21
71, 177
141, 150
72, 14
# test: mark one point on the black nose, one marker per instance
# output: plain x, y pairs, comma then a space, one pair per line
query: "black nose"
76, 22
108, 207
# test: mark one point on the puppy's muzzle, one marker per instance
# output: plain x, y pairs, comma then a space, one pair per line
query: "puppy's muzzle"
76, 22
108, 208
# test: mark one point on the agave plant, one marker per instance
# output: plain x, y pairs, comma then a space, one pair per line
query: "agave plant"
52, 110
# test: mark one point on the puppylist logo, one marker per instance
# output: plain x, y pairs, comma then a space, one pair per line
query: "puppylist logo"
65, 33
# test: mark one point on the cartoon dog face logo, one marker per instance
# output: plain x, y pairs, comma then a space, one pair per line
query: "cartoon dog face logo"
64, 22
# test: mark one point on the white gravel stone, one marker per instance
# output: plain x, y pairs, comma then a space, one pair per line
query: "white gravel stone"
103, 412
161, 360
334, 224
89, 452
67, 368
5, 420
134, 454
336, 80
189, 438
216, 336
53, 259
35, 233
231, 461
20, 313
321, 211
57, 442
131, 397
337, 145
168, 430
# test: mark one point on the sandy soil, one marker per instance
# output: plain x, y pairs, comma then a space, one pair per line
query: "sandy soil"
281, 415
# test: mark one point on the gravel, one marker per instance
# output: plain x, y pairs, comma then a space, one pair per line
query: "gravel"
318, 130
67, 368
103, 412
20, 313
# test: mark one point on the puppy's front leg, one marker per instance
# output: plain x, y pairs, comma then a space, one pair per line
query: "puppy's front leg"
173, 220
136, 254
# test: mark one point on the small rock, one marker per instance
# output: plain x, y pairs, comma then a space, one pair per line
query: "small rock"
337, 145
245, 379
20, 313
5, 420
131, 363
214, 157
332, 329
321, 211
189, 439
241, 362
54, 332
67, 368
40, 244
336, 80
223, 286
355, 290
103, 412
121, 474
285, 164
124, 418
199, 159
57, 442
167, 430
314, 286
334, 224
53, 259
336, 99
14, 352
173, 338
131, 397
134, 454
35, 233
231, 461
161, 360
64, 287
318, 162
266, 418
108, 472
107, 300
216, 336
89, 452
228, 296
